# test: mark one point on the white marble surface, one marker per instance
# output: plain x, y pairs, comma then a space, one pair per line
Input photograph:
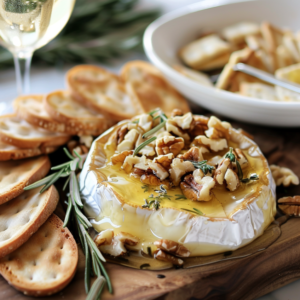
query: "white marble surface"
47, 79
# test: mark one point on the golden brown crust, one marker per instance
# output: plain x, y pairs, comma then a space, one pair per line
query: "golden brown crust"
31, 171
150, 87
19, 133
88, 83
45, 204
23, 268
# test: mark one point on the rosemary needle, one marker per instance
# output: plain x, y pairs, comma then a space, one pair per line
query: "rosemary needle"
144, 144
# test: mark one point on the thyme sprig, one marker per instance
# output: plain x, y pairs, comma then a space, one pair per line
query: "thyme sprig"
180, 197
203, 166
195, 211
240, 174
154, 201
93, 257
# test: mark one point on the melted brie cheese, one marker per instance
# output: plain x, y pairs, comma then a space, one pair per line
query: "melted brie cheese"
114, 200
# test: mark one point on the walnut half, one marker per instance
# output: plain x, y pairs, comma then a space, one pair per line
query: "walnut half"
284, 176
172, 248
169, 144
161, 255
290, 205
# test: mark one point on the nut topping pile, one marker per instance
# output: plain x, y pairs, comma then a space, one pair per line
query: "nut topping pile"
171, 152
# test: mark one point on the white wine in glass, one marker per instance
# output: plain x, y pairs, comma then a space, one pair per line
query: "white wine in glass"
26, 25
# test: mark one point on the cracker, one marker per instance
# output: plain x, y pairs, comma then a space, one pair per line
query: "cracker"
45, 264
102, 91
196, 76
258, 90
19, 133
290, 43
146, 84
236, 33
76, 117
15, 175
9, 152
203, 50
21, 217
272, 35
283, 57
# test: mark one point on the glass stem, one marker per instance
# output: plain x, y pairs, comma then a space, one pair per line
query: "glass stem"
22, 66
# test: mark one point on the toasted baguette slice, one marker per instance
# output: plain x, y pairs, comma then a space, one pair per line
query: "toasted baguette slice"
45, 264
17, 132
21, 217
9, 152
15, 175
101, 91
146, 84
76, 117
31, 109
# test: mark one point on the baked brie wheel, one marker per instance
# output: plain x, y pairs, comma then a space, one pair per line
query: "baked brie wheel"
184, 180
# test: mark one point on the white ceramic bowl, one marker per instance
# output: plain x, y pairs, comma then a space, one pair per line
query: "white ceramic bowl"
170, 32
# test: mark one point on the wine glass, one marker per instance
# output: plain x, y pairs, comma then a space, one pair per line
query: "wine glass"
26, 25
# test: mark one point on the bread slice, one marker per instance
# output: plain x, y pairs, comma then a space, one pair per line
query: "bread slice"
146, 85
15, 175
31, 109
45, 264
76, 118
17, 132
101, 91
9, 152
21, 217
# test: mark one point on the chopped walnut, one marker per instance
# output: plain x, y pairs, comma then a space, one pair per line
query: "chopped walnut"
172, 126
138, 162
217, 129
150, 179
129, 141
145, 121
290, 205
213, 144
78, 147
176, 112
120, 157
194, 154
158, 170
169, 144
284, 176
214, 161
198, 187
86, 140
240, 156
127, 238
198, 126
122, 131
179, 168
115, 248
221, 170
148, 150
184, 122
164, 160
172, 248
161, 255
162, 133
104, 237
232, 180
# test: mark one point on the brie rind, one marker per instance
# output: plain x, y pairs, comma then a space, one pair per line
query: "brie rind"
245, 220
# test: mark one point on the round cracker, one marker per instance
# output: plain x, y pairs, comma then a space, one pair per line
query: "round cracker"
16, 175
102, 91
21, 217
76, 117
9, 152
19, 133
45, 264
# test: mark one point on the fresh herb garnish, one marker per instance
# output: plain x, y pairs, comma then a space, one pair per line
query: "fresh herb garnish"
240, 174
93, 256
142, 145
163, 120
203, 166
195, 211
145, 187
180, 197
154, 203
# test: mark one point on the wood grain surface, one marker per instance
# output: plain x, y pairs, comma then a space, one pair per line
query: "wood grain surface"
241, 279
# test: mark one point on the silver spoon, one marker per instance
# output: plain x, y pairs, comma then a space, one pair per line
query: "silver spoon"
266, 77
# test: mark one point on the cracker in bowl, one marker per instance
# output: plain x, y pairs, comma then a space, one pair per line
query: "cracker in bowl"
76, 117
19, 133
258, 90
102, 91
21, 217
45, 264
145, 84
16, 175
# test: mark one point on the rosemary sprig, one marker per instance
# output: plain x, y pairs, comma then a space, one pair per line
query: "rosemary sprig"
142, 145
195, 211
145, 187
163, 120
180, 197
203, 166
240, 174
93, 256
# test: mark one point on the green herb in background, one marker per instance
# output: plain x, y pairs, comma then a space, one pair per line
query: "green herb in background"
97, 31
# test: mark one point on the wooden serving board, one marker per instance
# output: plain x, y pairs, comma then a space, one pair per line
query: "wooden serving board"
240, 279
